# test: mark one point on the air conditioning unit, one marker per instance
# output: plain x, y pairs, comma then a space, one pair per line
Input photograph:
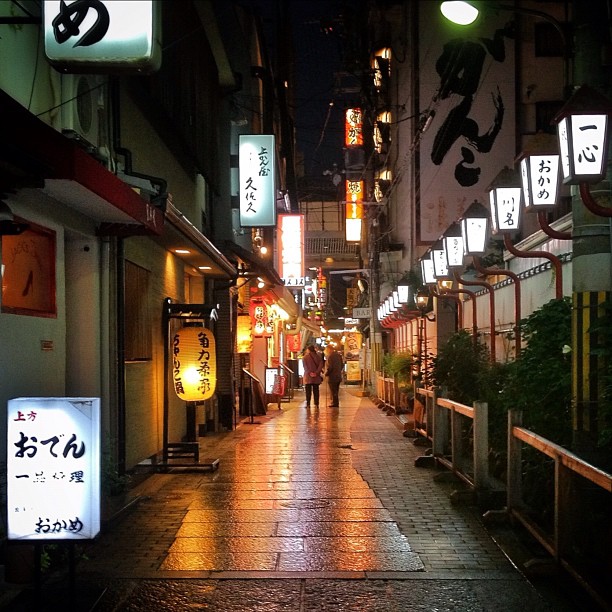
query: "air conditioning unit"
83, 98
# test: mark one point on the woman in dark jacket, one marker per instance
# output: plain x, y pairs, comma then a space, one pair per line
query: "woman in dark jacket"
313, 367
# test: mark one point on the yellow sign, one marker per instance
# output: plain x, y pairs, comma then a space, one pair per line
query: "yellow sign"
352, 297
353, 371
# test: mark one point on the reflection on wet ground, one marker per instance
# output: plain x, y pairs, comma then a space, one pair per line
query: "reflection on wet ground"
286, 497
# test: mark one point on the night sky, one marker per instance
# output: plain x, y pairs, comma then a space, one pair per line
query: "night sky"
319, 109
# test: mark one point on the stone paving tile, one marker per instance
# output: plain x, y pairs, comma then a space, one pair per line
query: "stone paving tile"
232, 530
350, 561
245, 544
357, 544
218, 562
339, 529
331, 497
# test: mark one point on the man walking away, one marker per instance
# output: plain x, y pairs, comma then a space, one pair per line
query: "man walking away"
335, 365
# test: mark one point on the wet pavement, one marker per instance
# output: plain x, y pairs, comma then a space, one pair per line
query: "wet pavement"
309, 510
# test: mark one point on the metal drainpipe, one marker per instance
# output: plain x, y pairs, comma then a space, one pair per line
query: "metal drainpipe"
517, 297
121, 440
489, 288
161, 199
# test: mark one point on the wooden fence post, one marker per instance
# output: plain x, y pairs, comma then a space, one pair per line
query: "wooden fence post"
456, 441
514, 494
439, 429
481, 445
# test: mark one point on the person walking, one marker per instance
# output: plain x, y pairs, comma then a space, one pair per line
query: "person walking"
333, 372
313, 369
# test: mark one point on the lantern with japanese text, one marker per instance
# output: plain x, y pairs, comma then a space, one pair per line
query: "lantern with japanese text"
194, 364
475, 225
505, 200
353, 134
244, 334
258, 311
582, 130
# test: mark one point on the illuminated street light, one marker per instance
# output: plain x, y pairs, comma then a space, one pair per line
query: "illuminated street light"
438, 257
505, 199
453, 246
427, 270
475, 225
461, 13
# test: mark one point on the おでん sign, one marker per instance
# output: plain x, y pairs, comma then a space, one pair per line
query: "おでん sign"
53, 468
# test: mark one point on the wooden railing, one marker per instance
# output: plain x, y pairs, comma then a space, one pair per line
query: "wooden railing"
459, 436
575, 530
574, 537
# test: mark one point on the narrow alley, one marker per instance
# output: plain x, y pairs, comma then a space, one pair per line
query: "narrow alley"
308, 510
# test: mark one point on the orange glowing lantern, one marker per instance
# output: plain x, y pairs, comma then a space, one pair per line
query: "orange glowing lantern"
294, 343
244, 334
259, 317
353, 133
194, 364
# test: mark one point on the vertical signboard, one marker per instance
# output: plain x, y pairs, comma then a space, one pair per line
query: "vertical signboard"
102, 36
291, 249
53, 468
256, 159
467, 83
353, 132
354, 209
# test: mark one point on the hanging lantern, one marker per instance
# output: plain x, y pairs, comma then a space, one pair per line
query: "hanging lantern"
427, 270
475, 229
438, 257
540, 172
194, 364
294, 343
453, 246
582, 130
259, 317
244, 334
505, 199
403, 292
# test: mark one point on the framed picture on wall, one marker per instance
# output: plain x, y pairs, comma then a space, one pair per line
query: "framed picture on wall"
28, 277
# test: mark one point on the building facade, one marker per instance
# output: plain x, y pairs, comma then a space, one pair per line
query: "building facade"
123, 184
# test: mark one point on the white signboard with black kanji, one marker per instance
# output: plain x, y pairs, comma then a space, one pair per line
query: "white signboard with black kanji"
53, 468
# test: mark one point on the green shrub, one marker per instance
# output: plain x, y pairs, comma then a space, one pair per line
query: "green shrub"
540, 380
400, 365
458, 367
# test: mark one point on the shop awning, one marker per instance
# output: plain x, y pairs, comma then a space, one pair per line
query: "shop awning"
33, 154
206, 259
276, 291
257, 266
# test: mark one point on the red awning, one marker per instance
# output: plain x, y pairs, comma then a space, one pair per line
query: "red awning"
32, 153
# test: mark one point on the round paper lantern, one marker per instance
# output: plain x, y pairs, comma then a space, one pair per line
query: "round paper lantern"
194, 364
